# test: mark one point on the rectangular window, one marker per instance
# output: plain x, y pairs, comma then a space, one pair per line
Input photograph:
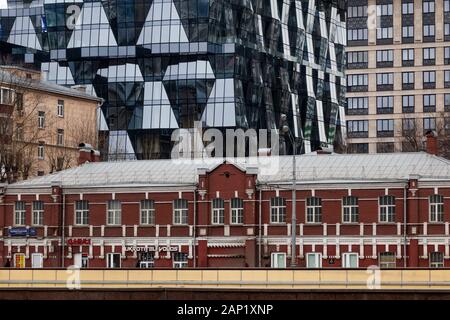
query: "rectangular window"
408, 31
357, 80
60, 137
436, 208
114, 212
436, 260
357, 103
387, 260
180, 211
38, 213
237, 211
313, 210
6, 96
357, 57
350, 209
408, 104
314, 260
113, 260
19, 213
428, 6
278, 260
384, 9
385, 79
429, 124
41, 119
408, 8
429, 77
385, 55
384, 33
385, 127
407, 57
446, 5
82, 212
148, 212
357, 34
358, 148
429, 102
60, 108
407, 77
428, 30
447, 54
218, 211
356, 11
180, 260
385, 104
277, 210
350, 260
387, 208
429, 56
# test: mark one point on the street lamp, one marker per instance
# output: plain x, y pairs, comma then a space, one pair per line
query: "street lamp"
287, 131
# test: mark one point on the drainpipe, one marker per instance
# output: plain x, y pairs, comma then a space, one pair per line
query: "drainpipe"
194, 245
63, 222
259, 227
405, 193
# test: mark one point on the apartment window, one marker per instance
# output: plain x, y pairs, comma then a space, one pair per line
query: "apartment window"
60, 108
19, 213
429, 102
387, 260
37, 217
385, 56
41, 119
278, 260
357, 58
313, 210
82, 212
446, 5
384, 33
277, 210
387, 208
19, 101
447, 102
436, 260
408, 126
429, 124
408, 8
356, 11
357, 105
385, 147
385, 81
148, 212
350, 209
218, 211
447, 54
408, 80
237, 211
6, 96
19, 132
314, 260
385, 128
180, 211
385, 104
429, 56
358, 148
357, 34
408, 31
41, 150
408, 104
60, 137
358, 128
428, 30
407, 57
114, 212
357, 80
436, 208
428, 6
113, 260
446, 29
429, 79
180, 260
384, 9
447, 78
350, 260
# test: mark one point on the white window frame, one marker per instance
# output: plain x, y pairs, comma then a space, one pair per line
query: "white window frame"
318, 258
237, 213
387, 265
114, 214
316, 210
277, 210
387, 213
60, 137
41, 119
81, 214
20, 214
346, 259
274, 260
436, 209
110, 259
40, 255
217, 211
437, 264
37, 214
147, 216
351, 208
41, 152
179, 264
180, 214
60, 109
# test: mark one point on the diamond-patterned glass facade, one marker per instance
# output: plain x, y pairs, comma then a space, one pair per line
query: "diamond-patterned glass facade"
164, 64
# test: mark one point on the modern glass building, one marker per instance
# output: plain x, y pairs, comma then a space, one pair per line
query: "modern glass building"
164, 64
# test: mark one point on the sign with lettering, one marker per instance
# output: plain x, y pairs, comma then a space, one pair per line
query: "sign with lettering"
152, 249
22, 232
78, 241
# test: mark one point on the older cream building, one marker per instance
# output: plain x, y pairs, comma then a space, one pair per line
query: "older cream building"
398, 76
41, 124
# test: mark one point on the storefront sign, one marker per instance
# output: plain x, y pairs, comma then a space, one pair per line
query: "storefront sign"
22, 232
78, 241
152, 249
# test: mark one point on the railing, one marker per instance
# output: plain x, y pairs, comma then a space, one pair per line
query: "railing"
401, 279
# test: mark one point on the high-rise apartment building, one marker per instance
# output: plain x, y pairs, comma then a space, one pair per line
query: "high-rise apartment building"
398, 77
164, 64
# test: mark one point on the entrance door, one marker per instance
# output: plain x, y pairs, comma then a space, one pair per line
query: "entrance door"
77, 259
36, 260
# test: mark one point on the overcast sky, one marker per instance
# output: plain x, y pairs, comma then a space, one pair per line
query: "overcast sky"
2, 3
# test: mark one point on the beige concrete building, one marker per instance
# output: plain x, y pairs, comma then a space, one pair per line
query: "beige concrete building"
41, 124
398, 76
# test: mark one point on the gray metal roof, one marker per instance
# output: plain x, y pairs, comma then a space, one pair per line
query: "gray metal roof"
8, 78
311, 167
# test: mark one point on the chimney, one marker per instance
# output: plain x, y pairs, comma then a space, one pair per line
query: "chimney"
88, 154
432, 147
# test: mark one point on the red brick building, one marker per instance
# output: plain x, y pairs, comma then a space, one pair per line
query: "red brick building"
390, 210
